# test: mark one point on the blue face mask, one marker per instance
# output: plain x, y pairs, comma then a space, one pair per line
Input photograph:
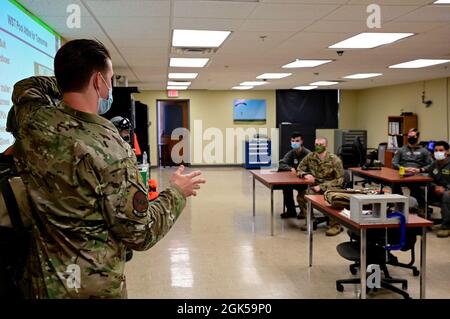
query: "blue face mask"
295, 145
103, 104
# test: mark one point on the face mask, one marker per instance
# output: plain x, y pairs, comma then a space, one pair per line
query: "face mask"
319, 149
126, 138
103, 104
412, 140
439, 156
295, 145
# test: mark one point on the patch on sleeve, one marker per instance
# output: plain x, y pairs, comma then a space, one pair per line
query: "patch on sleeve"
140, 204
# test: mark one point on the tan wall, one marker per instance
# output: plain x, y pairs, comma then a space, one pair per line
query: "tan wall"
373, 106
215, 109
359, 109
348, 110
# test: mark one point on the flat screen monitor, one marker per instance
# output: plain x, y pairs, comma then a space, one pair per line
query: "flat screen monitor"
27, 48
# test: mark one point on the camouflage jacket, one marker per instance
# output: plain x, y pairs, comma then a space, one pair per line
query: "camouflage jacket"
328, 172
89, 199
440, 172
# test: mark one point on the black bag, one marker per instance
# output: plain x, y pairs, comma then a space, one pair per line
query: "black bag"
14, 238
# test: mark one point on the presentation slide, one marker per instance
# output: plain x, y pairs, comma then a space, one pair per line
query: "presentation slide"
27, 48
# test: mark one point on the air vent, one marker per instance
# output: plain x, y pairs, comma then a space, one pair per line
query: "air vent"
193, 50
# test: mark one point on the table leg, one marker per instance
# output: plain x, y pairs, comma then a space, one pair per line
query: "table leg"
253, 196
426, 201
271, 212
309, 215
363, 266
352, 179
423, 257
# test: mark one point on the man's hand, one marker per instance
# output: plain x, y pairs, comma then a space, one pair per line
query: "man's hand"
413, 170
294, 171
309, 178
187, 183
316, 188
439, 190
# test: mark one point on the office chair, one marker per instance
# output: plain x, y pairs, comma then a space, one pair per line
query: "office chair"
361, 157
377, 254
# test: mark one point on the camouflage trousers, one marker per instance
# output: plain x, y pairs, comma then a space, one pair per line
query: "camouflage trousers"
302, 203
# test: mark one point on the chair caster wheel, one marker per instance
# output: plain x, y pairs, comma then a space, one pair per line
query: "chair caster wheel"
339, 287
416, 272
353, 270
405, 286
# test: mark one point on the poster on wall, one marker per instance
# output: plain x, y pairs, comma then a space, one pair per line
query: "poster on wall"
249, 111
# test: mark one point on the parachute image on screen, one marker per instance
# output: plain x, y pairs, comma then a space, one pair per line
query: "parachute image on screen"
27, 48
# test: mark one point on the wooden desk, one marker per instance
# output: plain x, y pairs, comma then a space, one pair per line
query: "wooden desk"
274, 181
390, 177
318, 202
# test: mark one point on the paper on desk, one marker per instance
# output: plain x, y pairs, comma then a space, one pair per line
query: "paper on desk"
346, 212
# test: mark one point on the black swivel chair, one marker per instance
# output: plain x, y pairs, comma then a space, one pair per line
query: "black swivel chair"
377, 254
355, 155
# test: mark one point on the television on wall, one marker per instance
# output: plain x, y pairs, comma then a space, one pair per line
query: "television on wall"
249, 110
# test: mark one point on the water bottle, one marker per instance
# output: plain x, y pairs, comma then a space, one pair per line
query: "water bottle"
144, 158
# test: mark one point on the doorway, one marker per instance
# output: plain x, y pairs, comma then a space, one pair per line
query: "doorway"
171, 114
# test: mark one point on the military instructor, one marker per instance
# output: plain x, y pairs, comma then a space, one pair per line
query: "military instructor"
89, 200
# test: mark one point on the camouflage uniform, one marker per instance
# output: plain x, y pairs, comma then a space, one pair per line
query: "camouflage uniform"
439, 171
328, 173
89, 199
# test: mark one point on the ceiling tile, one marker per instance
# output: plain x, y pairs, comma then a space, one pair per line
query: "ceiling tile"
129, 8
212, 9
359, 13
291, 11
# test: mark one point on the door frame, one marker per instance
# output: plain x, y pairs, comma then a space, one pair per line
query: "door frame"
188, 103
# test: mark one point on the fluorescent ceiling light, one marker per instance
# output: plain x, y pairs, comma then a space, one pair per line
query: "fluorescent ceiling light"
419, 63
306, 87
188, 62
169, 87
305, 63
324, 83
368, 40
253, 83
358, 76
273, 75
182, 75
179, 83
199, 38
442, 2
242, 87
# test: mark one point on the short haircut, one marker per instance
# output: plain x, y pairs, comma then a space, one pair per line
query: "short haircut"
415, 131
296, 134
442, 143
323, 139
76, 61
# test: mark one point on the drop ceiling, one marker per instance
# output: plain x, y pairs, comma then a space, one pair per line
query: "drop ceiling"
266, 34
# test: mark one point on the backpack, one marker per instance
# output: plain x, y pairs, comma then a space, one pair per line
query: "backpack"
340, 198
15, 233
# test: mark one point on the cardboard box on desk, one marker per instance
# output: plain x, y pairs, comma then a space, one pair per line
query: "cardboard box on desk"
379, 205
